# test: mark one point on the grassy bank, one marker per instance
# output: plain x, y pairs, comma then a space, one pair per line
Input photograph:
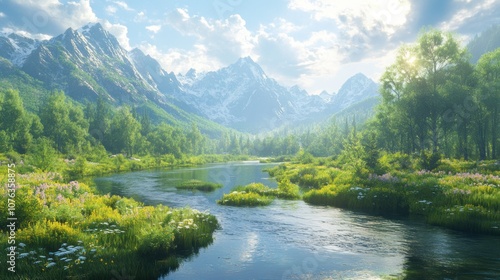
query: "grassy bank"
257, 194
457, 194
77, 167
68, 231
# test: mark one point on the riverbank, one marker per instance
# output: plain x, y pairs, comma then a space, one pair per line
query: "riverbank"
458, 195
67, 230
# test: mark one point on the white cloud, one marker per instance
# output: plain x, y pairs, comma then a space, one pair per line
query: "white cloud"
303, 62
154, 28
119, 31
140, 17
111, 10
467, 13
2, 15
74, 14
71, 14
355, 16
179, 60
123, 5
224, 40
38, 36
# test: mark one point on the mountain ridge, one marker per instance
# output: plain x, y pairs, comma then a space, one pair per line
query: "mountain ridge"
88, 63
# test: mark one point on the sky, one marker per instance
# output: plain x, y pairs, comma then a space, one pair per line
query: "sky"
315, 44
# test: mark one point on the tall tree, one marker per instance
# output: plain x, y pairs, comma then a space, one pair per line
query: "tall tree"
99, 117
488, 70
64, 123
414, 88
124, 132
15, 122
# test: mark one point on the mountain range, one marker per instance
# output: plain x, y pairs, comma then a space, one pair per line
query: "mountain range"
89, 63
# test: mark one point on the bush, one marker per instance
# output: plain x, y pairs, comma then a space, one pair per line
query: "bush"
244, 199
287, 190
48, 234
429, 160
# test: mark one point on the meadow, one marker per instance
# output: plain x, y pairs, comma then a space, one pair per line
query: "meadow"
460, 195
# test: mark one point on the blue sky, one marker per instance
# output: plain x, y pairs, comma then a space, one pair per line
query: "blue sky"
316, 44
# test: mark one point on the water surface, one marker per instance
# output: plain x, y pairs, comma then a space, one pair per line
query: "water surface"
294, 240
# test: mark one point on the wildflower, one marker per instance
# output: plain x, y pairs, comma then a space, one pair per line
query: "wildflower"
23, 255
50, 264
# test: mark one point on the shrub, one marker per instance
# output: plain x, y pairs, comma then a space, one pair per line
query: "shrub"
287, 190
429, 160
48, 234
244, 199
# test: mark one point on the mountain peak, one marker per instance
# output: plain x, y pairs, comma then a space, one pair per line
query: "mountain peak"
357, 88
359, 76
245, 60
191, 73
90, 26
248, 67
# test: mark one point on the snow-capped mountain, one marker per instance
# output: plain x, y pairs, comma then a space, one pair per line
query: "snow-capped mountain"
16, 48
190, 77
355, 89
241, 96
154, 74
326, 96
89, 62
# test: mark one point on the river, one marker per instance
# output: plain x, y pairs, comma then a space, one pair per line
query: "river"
294, 240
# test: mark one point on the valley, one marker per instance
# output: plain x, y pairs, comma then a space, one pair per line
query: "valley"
113, 166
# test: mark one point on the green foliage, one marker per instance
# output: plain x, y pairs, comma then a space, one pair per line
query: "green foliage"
353, 156
243, 198
43, 156
287, 190
198, 185
64, 123
78, 169
15, 123
454, 195
156, 244
429, 160
435, 100
257, 194
67, 230
124, 132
